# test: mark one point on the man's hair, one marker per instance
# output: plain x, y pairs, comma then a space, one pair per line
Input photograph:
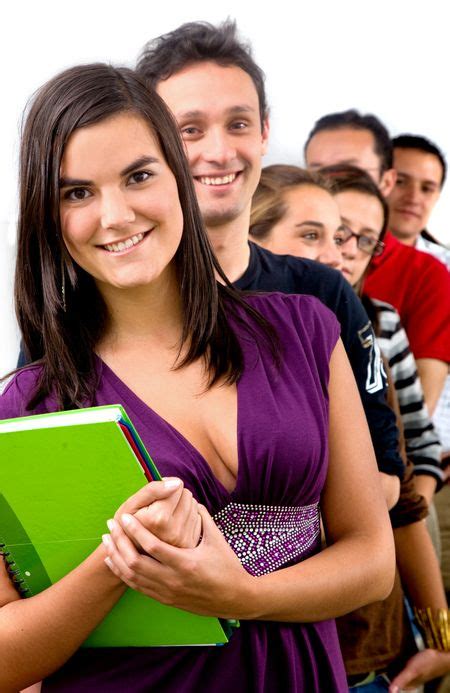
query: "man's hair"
354, 120
196, 42
422, 144
268, 203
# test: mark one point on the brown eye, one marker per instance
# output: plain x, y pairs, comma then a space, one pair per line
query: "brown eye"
77, 194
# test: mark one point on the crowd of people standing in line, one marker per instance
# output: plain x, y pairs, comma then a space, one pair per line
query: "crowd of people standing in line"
281, 338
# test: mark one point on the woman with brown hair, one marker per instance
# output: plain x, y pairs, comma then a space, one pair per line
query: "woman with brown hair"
239, 400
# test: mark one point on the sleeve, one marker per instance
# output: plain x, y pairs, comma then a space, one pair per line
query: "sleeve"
411, 507
421, 440
16, 391
427, 322
365, 358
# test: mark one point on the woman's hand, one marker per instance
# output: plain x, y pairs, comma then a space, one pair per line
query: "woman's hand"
208, 579
167, 510
422, 667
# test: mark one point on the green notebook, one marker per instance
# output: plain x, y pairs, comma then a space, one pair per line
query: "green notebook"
62, 476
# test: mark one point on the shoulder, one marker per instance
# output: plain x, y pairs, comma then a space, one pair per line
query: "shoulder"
291, 274
16, 390
298, 314
388, 315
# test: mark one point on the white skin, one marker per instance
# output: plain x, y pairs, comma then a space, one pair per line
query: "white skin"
308, 228
364, 215
120, 200
412, 199
225, 142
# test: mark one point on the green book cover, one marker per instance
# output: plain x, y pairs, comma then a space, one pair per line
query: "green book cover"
62, 476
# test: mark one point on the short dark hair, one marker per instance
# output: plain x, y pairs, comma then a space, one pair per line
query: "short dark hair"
407, 141
268, 203
354, 120
61, 329
195, 42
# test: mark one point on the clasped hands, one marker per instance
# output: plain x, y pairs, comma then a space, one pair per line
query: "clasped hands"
167, 546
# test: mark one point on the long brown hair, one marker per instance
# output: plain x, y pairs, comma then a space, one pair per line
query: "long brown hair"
61, 328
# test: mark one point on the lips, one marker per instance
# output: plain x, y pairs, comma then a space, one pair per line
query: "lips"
408, 212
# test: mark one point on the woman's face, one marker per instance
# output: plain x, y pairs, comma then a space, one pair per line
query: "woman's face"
363, 214
120, 213
309, 227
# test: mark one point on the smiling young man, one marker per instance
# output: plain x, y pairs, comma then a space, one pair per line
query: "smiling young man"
421, 171
417, 285
216, 92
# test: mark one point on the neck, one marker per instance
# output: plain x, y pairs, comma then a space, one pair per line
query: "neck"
143, 315
406, 239
230, 245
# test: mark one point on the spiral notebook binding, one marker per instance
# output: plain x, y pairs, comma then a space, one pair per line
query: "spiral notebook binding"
13, 571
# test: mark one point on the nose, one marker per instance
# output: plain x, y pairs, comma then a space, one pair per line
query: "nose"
218, 148
116, 212
331, 255
349, 249
412, 193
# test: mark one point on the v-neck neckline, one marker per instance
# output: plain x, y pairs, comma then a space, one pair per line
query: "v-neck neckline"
147, 409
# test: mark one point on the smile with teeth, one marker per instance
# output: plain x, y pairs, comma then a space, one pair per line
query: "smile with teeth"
217, 180
124, 245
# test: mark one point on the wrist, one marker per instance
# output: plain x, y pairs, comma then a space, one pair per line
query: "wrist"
434, 625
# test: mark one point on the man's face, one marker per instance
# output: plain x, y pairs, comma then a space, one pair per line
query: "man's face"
348, 146
217, 110
418, 186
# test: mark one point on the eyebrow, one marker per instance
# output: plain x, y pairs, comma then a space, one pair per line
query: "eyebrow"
137, 163
364, 230
316, 224
197, 113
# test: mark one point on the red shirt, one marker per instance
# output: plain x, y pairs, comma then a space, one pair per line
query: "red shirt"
417, 285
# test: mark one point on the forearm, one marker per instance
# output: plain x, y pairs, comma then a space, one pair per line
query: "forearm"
334, 582
38, 634
419, 567
425, 486
432, 376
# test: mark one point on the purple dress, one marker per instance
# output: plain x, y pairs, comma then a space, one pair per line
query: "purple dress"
283, 454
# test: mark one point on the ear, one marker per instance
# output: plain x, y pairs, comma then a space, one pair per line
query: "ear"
387, 182
265, 135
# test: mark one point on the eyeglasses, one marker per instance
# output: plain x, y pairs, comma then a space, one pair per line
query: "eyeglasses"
368, 245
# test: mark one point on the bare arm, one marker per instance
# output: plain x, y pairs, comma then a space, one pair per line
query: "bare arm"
391, 488
432, 376
418, 566
425, 486
357, 567
37, 635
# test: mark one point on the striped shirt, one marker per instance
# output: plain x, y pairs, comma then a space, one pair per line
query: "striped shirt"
421, 440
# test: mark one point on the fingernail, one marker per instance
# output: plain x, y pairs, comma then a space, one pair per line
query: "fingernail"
172, 483
108, 562
111, 524
106, 539
126, 519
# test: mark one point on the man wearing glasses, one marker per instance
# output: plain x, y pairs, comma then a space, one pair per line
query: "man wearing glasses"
417, 284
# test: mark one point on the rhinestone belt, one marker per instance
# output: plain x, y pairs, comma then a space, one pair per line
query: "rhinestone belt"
265, 537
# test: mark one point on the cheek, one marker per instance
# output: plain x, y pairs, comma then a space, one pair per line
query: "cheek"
76, 226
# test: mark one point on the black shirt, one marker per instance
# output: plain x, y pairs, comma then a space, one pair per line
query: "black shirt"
293, 275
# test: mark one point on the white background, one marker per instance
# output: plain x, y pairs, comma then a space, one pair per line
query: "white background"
389, 58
